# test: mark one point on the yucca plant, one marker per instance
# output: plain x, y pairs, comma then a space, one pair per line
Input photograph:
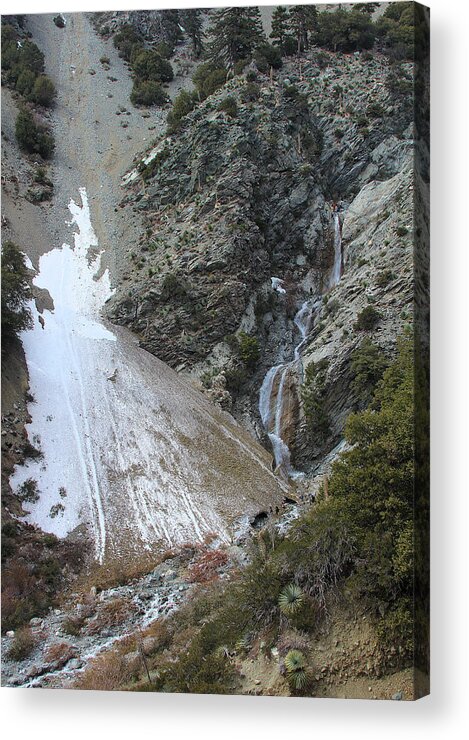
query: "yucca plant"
295, 664
290, 600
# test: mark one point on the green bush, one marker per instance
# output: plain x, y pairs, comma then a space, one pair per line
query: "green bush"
183, 104
368, 365
367, 319
173, 287
228, 105
127, 40
385, 277
375, 110
313, 396
267, 56
147, 93
344, 30
207, 78
248, 350
147, 64
372, 486
164, 50
250, 92
32, 137
43, 92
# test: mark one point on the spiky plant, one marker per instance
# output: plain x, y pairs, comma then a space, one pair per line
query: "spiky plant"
244, 643
290, 600
295, 664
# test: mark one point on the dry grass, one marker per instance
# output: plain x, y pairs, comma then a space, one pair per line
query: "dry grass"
60, 652
109, 615
22, 646
107, 672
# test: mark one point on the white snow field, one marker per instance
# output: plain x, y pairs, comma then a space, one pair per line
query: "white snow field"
129, 448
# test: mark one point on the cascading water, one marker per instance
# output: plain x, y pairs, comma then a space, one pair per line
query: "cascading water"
337, 266
272, 396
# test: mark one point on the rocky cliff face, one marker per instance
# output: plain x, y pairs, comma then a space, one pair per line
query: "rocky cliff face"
231, 202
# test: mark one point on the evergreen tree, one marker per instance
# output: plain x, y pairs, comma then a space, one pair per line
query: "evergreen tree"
16, 291
281, 30
192, 22
300, 23
170, 26
235, 33
367, 8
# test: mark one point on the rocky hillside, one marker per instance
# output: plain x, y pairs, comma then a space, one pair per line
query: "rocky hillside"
236, 198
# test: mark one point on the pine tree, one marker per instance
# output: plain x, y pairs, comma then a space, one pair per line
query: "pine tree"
280, 29
302, 21
16, 292
192, 22
235, 33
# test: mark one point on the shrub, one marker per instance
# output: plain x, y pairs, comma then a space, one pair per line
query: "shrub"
375, 110
164, 50
402, 230
28, 491
106, 672
267, 56
384, 277
235, 378
22, 646
183, 104
372, 487
43, 92
367, 319
25, 82
313, 395
127, 41
105, 60
110, 615
59, 21
147, 64
207, 566
248, 350
250, 92
368, 364
172, 287
32, 137
147, 93
73, 625
208, 78
228, 106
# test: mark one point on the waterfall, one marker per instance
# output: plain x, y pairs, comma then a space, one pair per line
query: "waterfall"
337, 266
272, 394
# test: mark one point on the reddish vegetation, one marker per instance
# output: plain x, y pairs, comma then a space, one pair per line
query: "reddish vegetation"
206, 567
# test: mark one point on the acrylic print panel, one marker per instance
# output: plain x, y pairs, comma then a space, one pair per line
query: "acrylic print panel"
215, 350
